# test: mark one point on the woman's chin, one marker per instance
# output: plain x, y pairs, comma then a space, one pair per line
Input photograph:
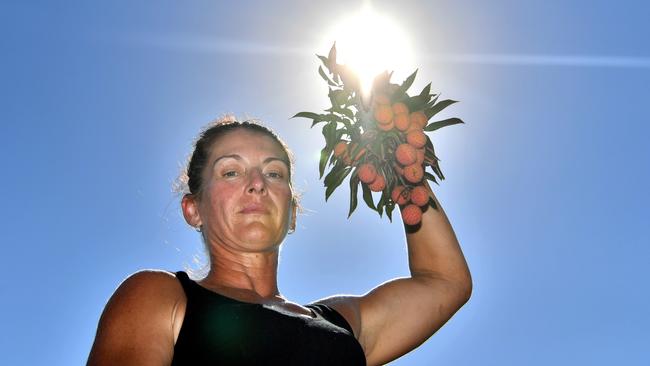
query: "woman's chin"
258, 237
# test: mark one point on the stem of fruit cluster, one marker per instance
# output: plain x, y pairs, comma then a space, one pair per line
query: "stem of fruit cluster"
400, 177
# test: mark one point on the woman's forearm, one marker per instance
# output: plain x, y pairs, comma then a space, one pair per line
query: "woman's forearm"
434, 250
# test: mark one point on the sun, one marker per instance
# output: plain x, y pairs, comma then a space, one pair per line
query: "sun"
370, 43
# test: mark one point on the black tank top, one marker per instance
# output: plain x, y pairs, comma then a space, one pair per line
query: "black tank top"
218, 330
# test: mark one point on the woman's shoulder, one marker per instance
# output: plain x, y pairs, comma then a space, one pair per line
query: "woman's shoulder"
152, 279
151, 286
140, 315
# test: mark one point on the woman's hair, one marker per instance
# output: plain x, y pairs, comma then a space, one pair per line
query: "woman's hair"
191, 180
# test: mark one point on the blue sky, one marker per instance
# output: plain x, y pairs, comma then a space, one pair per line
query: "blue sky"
546, 182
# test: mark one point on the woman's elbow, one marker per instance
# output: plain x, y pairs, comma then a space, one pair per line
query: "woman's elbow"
464, 288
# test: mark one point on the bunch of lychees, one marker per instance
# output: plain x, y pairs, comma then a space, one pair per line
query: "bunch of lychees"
379, 141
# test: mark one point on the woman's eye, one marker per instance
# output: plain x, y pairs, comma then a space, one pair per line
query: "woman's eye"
230, 173
274, 174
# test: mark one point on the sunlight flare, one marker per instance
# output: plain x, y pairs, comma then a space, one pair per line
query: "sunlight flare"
370, 42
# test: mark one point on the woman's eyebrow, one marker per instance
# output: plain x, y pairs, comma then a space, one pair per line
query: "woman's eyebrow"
273, 158
237, 157
231, 156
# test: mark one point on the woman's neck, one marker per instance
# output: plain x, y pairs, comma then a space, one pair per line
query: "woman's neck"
243, 274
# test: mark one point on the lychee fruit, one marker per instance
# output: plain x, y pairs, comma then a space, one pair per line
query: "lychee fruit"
401, 121
420, 157
419, 118
417, 138
400, 195
386, 127
399, 108
413, 173
359, 154
419, 196
340, 148
413, 126
367, 173
378, 184
405, 154
383, 114
411, 215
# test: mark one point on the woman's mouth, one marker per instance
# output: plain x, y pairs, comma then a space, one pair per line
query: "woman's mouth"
254, 208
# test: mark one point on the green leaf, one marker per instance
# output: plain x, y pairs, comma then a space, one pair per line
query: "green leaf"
316, 122
336, 181
429, 146
334, 118
434, 164
332, 56
325, 77
325, 62
425, 92
433, 101
407, 83
367, 197
338, 97
348, 124
389, 211
437, 170
332, 136
354, 185
348, 113
324, 156
381, 203
418, 102
335, 75
310, 115
359, 152
331, 176
432, 203
339, 135
328, 131
438, 107
430, 177
447, 122
349, 78
317, 118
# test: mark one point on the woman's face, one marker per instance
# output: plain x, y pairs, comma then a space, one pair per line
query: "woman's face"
247, 197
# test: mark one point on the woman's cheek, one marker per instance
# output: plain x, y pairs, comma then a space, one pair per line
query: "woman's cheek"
221, 193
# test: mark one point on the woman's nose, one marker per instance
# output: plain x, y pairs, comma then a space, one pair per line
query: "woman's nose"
256, 182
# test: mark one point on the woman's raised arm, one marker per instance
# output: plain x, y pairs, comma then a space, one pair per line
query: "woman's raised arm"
401, 314
137, 325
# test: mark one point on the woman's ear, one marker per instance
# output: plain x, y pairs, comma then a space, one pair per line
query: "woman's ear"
190, 207
294, 214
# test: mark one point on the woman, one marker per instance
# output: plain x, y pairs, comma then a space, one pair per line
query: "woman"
242, 201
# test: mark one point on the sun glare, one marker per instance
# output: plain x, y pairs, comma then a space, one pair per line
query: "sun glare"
370, 43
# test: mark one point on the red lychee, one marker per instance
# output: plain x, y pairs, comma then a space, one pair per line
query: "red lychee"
419, 196
411, 215
413, 173
367, 173
378, 184
400, 195
406, 154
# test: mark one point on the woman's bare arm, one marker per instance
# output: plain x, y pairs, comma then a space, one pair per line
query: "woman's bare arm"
401, 314
136, 327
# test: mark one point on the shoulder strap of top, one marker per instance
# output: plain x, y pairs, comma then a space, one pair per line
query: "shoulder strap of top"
195, 291
186, 282
331, 315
